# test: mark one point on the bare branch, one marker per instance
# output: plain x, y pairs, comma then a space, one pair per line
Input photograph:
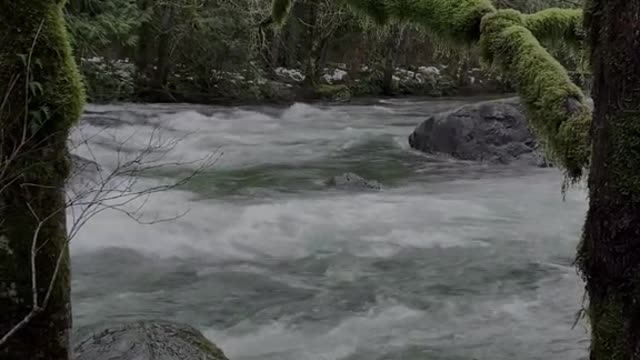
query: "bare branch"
115, 190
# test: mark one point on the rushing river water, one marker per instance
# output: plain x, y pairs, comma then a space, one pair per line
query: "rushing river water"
451, 260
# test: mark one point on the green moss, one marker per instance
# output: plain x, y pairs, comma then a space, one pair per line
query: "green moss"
556, 107
608, 324
557, 25
458, 20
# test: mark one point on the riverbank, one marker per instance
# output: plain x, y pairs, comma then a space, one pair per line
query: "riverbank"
117, 81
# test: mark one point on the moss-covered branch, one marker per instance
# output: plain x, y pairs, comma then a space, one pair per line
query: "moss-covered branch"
458, 20
564, 25
557, 108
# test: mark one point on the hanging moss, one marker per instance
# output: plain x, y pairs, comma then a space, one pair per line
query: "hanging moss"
557, 25
556, 107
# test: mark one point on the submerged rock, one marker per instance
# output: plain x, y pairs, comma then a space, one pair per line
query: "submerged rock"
351, 181
491, 131
147, 340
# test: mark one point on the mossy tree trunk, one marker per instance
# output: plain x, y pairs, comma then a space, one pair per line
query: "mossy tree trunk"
609, 256
43, 98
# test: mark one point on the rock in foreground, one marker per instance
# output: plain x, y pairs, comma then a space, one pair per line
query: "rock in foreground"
491, 131
351, 181
147, 340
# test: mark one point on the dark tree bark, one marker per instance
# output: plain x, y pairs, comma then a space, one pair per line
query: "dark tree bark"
609, 255
144, 57
312, 50
43, 99
394, 41
163, 65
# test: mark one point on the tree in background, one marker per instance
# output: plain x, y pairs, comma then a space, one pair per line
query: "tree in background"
320, 22
607, 146
205, 50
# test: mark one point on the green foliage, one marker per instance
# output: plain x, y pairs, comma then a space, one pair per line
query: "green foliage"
194, 49
107, 80
209, 42
97, 24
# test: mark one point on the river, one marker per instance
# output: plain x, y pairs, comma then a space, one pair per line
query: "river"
451, 260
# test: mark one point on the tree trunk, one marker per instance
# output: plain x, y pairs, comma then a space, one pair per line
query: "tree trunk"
609, 255
313, 44
44, 97
294, 37
144, 57
163, 65
393, 44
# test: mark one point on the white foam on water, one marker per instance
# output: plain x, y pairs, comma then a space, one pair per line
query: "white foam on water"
495, 328
283, 229
316, 342
244, 136
510, 216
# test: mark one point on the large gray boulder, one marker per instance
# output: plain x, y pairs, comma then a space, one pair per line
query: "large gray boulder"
147, 340
493, 131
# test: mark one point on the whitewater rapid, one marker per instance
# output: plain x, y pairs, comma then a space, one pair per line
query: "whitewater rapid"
451, 260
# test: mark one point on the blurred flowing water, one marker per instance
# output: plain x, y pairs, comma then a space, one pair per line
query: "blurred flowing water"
452, 260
